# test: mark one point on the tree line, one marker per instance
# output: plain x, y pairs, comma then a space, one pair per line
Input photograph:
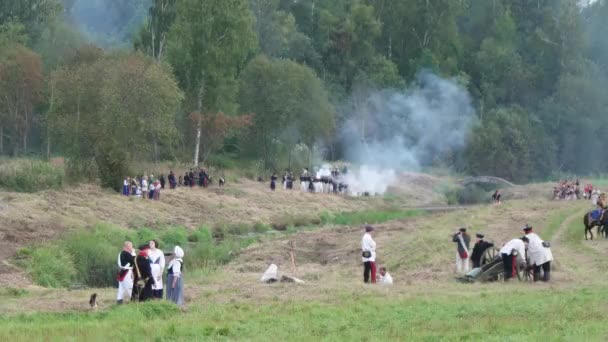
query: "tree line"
194, 80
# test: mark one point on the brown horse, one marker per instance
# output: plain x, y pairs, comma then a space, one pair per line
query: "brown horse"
600, 224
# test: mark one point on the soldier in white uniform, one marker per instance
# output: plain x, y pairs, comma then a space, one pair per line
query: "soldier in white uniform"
539, 254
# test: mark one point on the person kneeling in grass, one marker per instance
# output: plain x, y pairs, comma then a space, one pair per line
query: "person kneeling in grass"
384, 277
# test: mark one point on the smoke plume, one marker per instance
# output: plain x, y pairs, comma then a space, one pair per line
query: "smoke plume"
391, 131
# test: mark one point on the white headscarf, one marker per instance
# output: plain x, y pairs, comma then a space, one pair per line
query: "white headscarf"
179, 252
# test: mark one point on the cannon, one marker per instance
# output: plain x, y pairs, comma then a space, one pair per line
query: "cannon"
492, 269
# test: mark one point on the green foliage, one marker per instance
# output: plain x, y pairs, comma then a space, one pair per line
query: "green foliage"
175, 236
201, 234
145, 235
52, 266
545, 60
27, 175
94, 253
208, 42
289, 104
470, 194
99, 121
508, 145
368, 217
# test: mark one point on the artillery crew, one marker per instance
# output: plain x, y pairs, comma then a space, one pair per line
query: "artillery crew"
480, 246
540, 254
462, 240
510, 253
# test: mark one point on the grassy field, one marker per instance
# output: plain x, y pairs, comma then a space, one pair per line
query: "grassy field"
426, 303
518, 315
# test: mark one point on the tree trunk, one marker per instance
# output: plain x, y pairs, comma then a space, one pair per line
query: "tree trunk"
155, 151
199, 126
48, 123
1, 140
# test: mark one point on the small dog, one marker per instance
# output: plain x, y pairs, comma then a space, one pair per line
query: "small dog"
221, 182
93, 301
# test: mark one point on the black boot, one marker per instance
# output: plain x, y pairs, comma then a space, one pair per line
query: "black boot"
119, 302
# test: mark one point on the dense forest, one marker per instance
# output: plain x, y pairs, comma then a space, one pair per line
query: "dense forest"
107, 82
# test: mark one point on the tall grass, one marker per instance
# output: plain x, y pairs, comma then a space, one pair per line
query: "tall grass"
89, 256
557, 315
368, 216
29, 175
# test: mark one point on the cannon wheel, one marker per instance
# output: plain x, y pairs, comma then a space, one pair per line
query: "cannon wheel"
489, 255
524, 273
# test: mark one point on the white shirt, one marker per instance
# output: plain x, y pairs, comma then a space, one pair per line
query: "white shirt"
515, 244
386, 279
144, 185
368, 244
538, 253
151, 187
177, 266
157, 268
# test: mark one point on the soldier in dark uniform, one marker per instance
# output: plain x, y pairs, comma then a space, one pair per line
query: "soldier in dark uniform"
478, 249
142, 273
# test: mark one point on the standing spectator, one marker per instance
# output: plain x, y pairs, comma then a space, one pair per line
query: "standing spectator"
126, 262
143, 275
157, 188
273, 181
125, 186
175, 278
144, 187
496, 196
205, 178
462, 240
186, 179
162, 181
157, 261
151, 189
201, 177
368, 255
192, 178
172, 182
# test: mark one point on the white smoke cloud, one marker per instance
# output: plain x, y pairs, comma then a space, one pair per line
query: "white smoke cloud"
405, 130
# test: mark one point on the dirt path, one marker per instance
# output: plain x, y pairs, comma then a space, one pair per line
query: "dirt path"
575, 257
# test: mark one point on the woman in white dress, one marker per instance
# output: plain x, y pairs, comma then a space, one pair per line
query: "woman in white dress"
157, 264
175, 278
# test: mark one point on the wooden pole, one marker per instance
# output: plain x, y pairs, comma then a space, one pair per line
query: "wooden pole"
293, 258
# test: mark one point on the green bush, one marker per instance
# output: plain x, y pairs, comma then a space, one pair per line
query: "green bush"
201, 234
204, 254
177, 236
51, 266
259, 227
89, 255
239, 228
473, 194
372, 216
26, 175
145, 235
95, 253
